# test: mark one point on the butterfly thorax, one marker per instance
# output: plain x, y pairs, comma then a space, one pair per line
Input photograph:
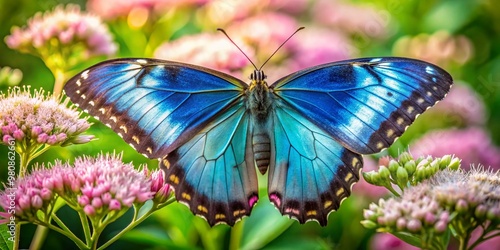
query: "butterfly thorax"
259, 103
259, 98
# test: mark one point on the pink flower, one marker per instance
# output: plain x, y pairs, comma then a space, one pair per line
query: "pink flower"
472, 145
162, 190
37, 119
28, 195
121, 8
107, 184
223, 13
209, 50
92, 185
351, 18
49, 32
386, 241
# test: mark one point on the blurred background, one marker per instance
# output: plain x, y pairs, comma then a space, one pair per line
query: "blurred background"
462, 37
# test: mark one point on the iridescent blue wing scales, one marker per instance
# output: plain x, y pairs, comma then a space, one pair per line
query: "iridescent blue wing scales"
365, 104
192, 118
325, 117
312, 173
214, 172
155, 105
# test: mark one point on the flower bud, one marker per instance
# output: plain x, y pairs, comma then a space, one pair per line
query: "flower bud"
410, 167
393, 166
369, 224
480, 211
444, 161
455, 164
405, 157
461, 206
414, 225
402, 177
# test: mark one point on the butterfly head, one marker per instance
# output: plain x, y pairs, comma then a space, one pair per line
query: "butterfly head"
258, 76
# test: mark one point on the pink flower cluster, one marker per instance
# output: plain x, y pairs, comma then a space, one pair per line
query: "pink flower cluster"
29, 195
120, 8
95, 186
66, 26
193, 49
38, 119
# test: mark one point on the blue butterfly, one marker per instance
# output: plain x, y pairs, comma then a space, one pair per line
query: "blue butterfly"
308, 130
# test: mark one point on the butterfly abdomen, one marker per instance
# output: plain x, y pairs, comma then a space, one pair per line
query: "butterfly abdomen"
261, 151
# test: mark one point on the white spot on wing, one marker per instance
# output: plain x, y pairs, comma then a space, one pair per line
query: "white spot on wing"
376, 60
85, 75
91, 103
78, 83
429, 70
141, 61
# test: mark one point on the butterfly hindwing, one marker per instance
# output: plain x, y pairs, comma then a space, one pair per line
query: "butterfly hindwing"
214, 172
312, 173
365, 104
154, 105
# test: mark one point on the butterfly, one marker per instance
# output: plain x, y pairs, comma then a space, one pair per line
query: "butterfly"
211, 131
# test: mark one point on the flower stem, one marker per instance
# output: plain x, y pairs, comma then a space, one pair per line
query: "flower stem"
39, 237
62, 229
127, 228
85, 226
60, 79
23, 165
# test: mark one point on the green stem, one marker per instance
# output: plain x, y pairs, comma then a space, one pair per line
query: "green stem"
64, 230
85, 226
39, 237
23, 165
60, 79
127, 228
39, 151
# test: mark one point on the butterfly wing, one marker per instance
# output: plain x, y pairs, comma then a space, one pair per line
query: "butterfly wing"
312, 173
326, 116
193, 118
214, 172
155, 105
365, 104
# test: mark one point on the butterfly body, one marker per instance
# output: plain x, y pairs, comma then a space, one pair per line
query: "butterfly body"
307, 131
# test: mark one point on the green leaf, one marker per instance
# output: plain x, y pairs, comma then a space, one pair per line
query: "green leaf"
153, 237
6, 239
409, 238
449, 15
263, 226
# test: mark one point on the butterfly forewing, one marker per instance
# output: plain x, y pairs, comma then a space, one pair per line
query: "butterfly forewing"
155, 105
365, 104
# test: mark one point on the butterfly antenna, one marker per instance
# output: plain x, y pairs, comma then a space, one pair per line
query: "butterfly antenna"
224, 32
301, 28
